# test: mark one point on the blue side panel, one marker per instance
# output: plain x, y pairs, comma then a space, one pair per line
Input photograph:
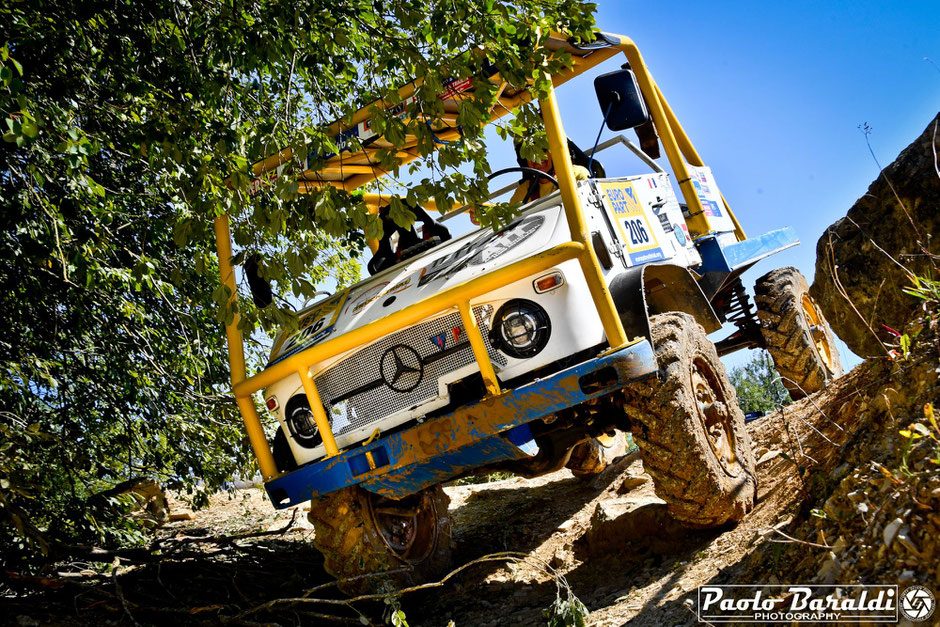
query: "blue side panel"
410, 479
746, 253
521, 436
713, 258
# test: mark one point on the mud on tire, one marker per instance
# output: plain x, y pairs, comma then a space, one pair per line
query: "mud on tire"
690, 429
796, 333
360, 533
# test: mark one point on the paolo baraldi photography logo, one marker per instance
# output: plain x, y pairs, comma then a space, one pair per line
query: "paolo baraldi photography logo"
809, 603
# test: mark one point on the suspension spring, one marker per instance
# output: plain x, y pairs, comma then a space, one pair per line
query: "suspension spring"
737, 307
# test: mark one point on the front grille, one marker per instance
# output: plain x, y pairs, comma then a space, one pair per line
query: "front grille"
354, 392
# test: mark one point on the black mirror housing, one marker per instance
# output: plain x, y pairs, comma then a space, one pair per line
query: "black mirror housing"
620, 92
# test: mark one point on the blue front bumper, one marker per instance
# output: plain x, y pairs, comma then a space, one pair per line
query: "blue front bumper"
492, 430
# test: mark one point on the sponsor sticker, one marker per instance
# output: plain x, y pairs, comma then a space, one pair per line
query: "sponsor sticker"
439, 340
640, 240
371, 293
454, 87
315, 325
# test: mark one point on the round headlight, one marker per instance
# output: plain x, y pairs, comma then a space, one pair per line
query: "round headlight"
520, 329
300, 422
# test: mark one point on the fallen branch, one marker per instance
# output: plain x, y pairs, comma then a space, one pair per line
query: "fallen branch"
506, 556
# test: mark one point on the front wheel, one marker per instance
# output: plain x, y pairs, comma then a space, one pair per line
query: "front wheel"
690, 429
795, 332
401, 542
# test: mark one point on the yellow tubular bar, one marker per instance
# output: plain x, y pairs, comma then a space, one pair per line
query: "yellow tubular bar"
691, 154
697, 223
319, 413
442, 301
675, 143
479, 348
236, 354
564, 171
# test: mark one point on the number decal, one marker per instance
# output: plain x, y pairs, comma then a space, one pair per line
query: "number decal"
624, 205
313, 327
638, 233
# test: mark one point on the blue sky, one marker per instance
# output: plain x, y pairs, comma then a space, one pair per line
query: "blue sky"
772, 95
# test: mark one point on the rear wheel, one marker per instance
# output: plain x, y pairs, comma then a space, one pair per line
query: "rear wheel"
405, 541
795, 332
690, 429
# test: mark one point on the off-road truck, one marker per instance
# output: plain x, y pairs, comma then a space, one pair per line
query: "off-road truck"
526, 348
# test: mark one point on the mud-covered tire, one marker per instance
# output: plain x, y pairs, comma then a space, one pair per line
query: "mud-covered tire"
283, 456
796, 333
690, 429
348, 532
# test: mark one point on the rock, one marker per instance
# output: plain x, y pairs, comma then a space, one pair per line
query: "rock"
830, 569
561, 559
857, 496
891, 530
766, 457
839, 547
858, 275
904, 540
184, 515
840, 471
618, 522
906, 577
143, 498
630, 482
567, 525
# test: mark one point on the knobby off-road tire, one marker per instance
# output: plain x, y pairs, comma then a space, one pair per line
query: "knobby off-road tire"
360, 533
796, 333
690, 429
283, 456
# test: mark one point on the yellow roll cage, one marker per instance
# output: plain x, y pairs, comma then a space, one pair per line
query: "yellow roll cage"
351, 170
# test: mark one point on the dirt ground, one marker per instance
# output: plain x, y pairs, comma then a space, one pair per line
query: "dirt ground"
607, 539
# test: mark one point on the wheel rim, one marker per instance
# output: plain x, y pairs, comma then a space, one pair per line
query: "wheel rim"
817, 331
407, 527
715, 417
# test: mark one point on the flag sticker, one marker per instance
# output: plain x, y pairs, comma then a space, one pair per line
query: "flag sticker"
440, 340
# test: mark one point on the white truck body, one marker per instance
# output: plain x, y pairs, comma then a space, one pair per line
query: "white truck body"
637, 219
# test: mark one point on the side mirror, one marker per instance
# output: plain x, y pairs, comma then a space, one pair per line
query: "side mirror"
619, 92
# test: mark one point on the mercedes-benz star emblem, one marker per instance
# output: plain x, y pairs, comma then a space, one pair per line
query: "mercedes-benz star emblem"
401, 368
